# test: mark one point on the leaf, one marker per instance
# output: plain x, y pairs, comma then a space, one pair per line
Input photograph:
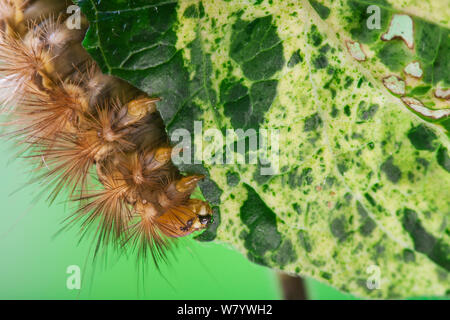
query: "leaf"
363, 181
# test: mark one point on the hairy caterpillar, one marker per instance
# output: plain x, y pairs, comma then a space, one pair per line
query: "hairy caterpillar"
72, 118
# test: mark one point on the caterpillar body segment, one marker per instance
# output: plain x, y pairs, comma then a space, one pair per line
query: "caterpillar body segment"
94, 135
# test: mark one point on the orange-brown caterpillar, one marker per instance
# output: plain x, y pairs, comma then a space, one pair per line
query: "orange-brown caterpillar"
72, 118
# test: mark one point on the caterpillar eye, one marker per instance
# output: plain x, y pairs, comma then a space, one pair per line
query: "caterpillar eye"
188, 225
206, 220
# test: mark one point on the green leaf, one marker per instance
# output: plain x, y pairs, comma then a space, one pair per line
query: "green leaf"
363, 178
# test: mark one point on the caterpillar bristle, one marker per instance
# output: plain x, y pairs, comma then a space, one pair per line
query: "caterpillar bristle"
18, 68
39, 10
108, 207
77, 122
145, 238
68, 160
41, 115
7, 10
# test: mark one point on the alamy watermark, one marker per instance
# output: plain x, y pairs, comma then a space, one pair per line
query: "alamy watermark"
73, 281
374, 20
374, 280
227, 147
73, 22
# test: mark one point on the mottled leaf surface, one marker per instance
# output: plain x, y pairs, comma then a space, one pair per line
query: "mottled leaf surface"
363, 179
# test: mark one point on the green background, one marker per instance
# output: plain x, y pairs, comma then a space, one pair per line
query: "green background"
35, 258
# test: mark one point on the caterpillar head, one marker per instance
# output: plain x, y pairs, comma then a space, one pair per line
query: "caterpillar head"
181, 221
